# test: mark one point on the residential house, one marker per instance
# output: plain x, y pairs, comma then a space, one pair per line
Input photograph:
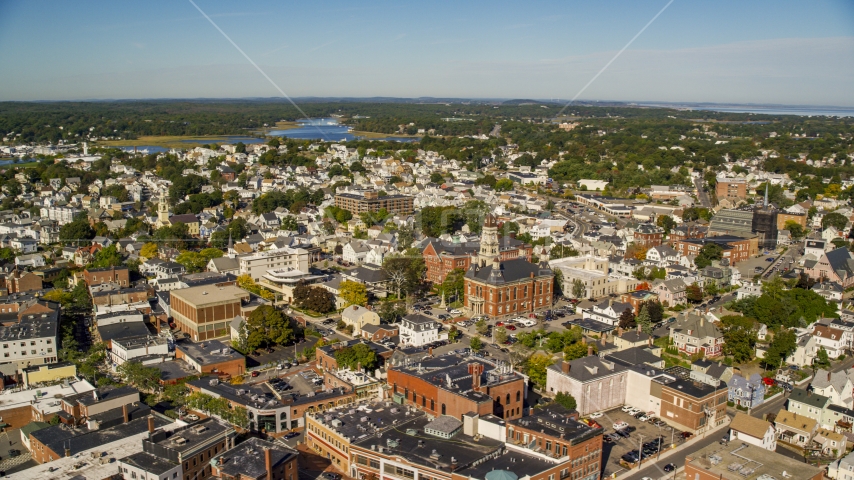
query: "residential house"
794, 428
753, 431
607, 311
837, 386
358, 317
833, 340
670, 292
746, 392
805, 403
834, 266
692, 333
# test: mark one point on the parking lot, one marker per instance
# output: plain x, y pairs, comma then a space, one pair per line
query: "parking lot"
638, 433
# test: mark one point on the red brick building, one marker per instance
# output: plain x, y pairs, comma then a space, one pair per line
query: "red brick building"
474, 387
648, 235
97, 276
557, 432
441, 257
736, 249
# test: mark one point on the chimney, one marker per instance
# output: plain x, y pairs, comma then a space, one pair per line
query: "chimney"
602, 339
125, 412
67, 451
150, 424
268, 462
702, 320
475, 370
590, 350
95, 394
828, 375
430, 351
565, 367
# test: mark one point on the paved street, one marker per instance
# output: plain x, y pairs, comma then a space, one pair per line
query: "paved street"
702, 194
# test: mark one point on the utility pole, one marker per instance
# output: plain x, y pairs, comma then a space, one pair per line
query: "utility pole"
640, 451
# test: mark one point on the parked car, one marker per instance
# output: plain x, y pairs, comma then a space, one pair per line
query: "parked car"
620, 425
291, 435
255, 373
686, 435
626, 408
596, 415
669, 467
456, 312
191, 417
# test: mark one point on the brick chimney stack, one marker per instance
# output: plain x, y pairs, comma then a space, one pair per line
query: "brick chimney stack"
125, 412
268, 462
150, 424
475, 370
590, 350
564, 367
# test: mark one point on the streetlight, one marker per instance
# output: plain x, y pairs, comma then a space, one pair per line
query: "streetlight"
640, 451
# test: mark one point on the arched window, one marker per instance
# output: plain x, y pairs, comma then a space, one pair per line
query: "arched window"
507, 400
518, 395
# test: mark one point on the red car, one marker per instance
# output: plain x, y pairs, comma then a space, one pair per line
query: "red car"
499, 324
510, 327
255, 373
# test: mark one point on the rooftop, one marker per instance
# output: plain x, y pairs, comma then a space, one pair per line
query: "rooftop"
188, 437
247, 459
356, 423
48, 401
208, 352
80, 439
210, 294
749, 461
556, 421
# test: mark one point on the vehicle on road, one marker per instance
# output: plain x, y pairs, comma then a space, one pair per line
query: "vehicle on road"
669, 468
290, 435
331, 476
255, 373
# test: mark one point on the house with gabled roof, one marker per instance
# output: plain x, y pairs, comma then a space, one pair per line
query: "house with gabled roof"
692, 333
832, 339
835, 266
752, 430
795, 428
834, 385
670, 292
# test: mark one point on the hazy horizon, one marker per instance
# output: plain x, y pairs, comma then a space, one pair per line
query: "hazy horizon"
762, 53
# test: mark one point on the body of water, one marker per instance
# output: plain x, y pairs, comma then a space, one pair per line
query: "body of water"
804, 111
329, 129
140, 148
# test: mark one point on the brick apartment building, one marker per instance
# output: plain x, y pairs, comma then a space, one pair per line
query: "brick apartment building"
441, 257
783, 217
211, 357
18, 281
205, 312
372, 202
693, 406
556, 431
648, 235
474, 386
97, 276
731, 188
192, 446
736, 249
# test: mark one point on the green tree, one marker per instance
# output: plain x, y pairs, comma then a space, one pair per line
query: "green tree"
578, 288
107, 257
453, 284
666, 222
739, 337
577, 350
782, 345
404, 271
796, 230
149, 250
644, 319
476, 344
437, 177
500, 335
562, 251
481, 326
711, 288
78, 232
832, 219
821, 358
359, 355
267, 325
390, 311
453, 334
192, 261
710, 252
536, 366
405, 236
503, 185
353, 293
566, 400
144, 378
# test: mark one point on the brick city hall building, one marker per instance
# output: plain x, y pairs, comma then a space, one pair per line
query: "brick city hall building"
497, 288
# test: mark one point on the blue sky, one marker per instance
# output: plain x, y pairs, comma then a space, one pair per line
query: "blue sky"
787, 52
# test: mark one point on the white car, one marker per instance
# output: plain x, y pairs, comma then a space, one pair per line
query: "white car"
626, 408
192, 417
596, 415
456, 312
643, 418
634, 411
620, 425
